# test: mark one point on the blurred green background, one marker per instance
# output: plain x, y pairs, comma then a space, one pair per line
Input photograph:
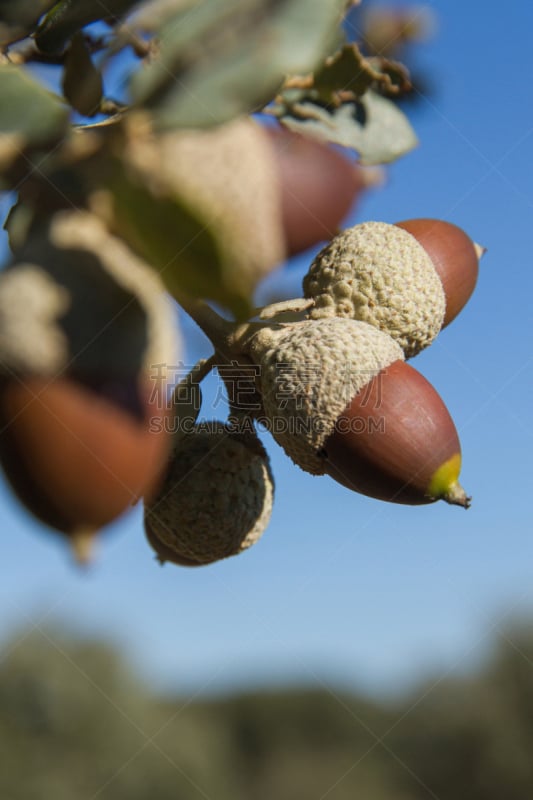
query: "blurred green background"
76, 723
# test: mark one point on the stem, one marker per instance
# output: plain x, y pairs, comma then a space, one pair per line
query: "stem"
197, 374
227, 337
480, 250
297, 306
82, 545
215, 327
127, 37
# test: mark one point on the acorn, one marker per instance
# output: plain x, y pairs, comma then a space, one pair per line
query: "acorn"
215, 499
319, 186
408, 280
76, 460
86, 333
339, 398
396, 441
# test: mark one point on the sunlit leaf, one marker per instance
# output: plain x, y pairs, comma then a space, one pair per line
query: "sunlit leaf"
174, 240
347, 70
18, 224
373, 126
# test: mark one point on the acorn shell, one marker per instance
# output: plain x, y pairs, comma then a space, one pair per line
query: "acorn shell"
310, 370
454, 256
396, 441
379, 274
75, 460
319, 186
215, 499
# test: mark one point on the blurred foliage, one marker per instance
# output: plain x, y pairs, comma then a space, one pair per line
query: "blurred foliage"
374, 125
192, 64
74, 722
223, 58
388, 31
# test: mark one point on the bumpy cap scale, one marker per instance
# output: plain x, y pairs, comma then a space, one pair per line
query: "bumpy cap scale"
309, 373
215, 499
379, 273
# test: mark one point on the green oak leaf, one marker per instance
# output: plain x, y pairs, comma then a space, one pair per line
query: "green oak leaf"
67, 17
223, 58
29, 116
18, 18
27, 109
373, 125
348, 71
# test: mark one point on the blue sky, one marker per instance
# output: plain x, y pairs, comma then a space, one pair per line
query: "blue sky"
344, 588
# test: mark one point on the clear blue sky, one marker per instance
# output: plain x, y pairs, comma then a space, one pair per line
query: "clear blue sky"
343, 588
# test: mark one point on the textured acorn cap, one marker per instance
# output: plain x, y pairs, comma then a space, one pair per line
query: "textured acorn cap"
83, 230
34, 303
227, 174
30, 303
310, 371
216, 497
379, 273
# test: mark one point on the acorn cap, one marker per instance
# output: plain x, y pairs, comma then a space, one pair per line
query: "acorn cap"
379, 274
78, 301
310, 371
84, 231
215, 499
31, 301
228, 175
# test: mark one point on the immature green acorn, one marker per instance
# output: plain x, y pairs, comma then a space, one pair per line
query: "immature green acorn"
408, 280
339, 399
215, 499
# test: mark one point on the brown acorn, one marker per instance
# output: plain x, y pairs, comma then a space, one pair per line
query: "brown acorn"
339, 398
85, 333
76, 460
396, 441
319, 186
408, 280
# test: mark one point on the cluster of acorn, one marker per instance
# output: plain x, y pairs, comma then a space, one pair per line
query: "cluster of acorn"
335, 391
83, 321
